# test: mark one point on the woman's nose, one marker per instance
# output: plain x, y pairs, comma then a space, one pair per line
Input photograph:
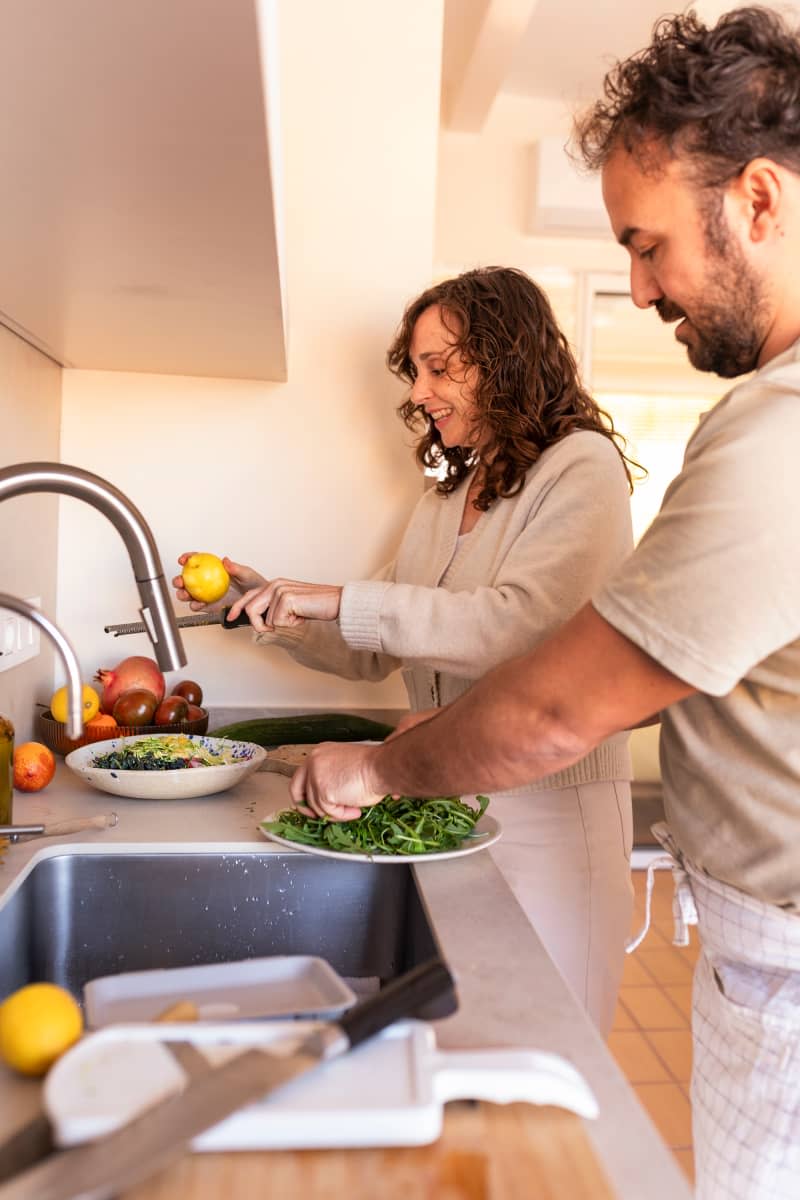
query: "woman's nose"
419, 390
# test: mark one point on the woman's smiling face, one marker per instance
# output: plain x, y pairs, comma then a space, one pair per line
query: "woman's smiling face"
444, 385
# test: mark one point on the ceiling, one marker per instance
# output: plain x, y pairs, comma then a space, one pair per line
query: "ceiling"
546, 49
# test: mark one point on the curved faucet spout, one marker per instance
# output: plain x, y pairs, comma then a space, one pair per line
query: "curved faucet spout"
156, 610
74, 685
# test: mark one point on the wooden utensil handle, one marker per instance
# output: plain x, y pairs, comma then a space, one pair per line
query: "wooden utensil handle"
78, 824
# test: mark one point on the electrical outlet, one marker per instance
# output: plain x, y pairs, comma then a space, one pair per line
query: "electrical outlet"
19, 637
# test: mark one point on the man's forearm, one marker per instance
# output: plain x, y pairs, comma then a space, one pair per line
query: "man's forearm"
531, 716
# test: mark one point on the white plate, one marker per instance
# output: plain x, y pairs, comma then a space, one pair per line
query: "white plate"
242, 758
488, 830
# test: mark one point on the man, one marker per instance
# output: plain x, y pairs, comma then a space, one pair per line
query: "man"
698, 139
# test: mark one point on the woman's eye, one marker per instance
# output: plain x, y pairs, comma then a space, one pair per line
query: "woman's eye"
437, 371
648, 253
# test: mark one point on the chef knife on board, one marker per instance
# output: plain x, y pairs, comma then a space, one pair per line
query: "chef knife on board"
220, 617
105, 1167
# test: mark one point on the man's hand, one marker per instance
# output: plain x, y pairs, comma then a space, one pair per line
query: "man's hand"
335, 782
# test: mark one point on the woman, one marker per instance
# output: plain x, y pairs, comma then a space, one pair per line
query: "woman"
529, 515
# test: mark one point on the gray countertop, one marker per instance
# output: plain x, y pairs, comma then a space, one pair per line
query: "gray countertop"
510, 993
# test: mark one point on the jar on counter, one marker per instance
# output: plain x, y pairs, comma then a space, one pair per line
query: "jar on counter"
6, 770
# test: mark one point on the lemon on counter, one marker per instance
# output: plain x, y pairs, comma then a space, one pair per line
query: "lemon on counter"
205, 577
59, 704
37, 1024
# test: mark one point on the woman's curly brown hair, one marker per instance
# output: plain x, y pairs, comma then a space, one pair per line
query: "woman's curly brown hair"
719, 96
528, 394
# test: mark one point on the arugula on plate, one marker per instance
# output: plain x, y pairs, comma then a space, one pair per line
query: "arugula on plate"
395, 826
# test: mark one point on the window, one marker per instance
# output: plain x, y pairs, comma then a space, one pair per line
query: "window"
639, 374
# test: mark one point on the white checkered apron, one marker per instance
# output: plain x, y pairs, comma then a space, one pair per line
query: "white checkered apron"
746, 1033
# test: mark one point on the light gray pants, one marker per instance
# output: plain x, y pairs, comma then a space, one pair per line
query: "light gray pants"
565, 854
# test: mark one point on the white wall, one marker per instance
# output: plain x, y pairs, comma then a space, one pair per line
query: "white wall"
485, 198
312, 478
30, 413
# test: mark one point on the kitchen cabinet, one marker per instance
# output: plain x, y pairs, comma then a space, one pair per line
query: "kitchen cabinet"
139, 226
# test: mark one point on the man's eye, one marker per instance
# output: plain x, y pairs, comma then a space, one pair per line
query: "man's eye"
648, 253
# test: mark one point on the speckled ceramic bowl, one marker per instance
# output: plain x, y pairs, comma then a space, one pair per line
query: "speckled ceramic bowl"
240, 759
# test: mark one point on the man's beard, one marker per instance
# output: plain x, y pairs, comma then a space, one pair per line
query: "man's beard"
730, 322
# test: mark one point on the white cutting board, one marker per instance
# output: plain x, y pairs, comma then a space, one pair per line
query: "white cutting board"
388, 1092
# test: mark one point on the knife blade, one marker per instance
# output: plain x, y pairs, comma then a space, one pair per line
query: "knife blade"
119, 1160
196, 619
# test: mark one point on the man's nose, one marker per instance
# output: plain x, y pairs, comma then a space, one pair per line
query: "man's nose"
645, 291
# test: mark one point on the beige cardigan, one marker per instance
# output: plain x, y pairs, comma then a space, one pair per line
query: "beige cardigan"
445, 614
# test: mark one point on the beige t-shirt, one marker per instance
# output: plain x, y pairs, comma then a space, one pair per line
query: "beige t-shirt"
712, 593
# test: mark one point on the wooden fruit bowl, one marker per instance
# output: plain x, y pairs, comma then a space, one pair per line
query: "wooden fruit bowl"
53, 733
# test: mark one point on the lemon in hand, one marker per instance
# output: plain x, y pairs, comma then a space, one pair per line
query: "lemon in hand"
90, 704
205, 578
37, 1024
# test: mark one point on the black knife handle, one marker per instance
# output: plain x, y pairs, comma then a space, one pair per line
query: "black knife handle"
400, 998
242, 619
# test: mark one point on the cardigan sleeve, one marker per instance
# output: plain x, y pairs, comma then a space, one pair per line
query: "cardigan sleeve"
320, 645
572, 528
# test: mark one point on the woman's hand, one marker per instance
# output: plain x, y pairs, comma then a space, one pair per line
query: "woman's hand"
286, 602
243, 579
334, 782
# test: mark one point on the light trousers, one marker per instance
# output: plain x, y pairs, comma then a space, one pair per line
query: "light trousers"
565, 854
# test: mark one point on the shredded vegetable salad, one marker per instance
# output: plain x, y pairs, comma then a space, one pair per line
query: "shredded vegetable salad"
395, 826
168, 752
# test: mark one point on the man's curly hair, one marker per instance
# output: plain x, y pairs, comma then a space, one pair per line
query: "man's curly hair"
718, 97
528, 393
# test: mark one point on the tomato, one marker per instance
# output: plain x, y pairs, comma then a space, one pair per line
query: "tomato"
190, 691
171, 711
136, 706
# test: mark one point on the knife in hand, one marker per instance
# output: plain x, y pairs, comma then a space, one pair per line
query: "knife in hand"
220, 617
162, 1133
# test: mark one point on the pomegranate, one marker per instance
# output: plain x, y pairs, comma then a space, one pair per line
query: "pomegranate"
134, 672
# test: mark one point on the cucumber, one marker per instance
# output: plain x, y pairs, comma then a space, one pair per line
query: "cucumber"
302, 730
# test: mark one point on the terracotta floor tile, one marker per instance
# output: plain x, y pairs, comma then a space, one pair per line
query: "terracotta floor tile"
636, 1058
635, 973
674, 1048
622, 1018
669, 1109
686, 1159
666, 966
681, 997
651, 1008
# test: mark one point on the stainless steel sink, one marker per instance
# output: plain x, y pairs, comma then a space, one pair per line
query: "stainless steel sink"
79, 916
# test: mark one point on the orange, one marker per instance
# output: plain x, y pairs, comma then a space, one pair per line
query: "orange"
34, 767
101, 720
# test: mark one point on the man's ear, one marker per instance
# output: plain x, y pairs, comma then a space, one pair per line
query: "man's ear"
758, 196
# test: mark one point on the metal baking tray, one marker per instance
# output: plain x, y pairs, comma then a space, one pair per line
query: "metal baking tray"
291, 985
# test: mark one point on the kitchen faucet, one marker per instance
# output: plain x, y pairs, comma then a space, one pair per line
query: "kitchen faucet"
74, 685
157, 613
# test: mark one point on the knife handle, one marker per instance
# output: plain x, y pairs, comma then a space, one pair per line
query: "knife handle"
400, 998
242, 619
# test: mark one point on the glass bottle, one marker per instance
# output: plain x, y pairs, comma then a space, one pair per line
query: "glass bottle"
6, 770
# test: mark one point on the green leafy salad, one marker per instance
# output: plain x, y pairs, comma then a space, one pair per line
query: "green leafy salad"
170, 752
395, 826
